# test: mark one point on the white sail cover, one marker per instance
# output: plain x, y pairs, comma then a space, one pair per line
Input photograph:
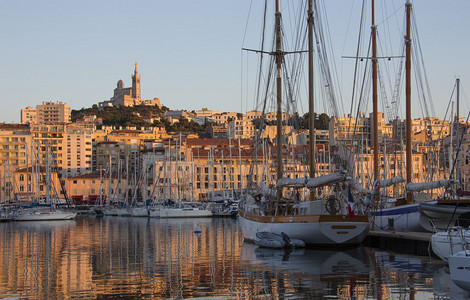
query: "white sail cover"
310, 183
390, 181
325, 180
422, 186
355, 185
266, 191
291, 182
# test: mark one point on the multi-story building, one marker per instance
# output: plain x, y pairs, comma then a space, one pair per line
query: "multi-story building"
432, 128
272, 116
78, 151
49, 144
243, 129
121, 156
303, 137
253, 115
53, 113
28, 115
65, 147
207, 113
358, 130
99, 187
32, 183
225, 117
15, 144
218, 131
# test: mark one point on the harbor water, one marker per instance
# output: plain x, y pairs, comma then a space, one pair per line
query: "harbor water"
123, 257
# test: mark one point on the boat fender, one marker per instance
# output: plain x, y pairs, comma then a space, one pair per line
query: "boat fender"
286, 239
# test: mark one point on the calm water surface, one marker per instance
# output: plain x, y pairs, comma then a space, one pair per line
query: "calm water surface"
114, 257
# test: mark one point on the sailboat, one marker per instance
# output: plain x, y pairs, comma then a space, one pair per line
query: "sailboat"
404, 214
182, 208
50, 211
279, 209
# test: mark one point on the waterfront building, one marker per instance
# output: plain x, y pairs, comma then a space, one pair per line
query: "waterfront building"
15, 144
28, 184
79, 151
49, 139
93, 187
121, 155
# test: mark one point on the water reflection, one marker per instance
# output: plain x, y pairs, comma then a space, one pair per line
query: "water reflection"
152, 258
320, 272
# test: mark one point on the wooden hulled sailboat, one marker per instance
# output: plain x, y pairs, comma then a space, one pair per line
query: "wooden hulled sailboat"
404, 214
280, 208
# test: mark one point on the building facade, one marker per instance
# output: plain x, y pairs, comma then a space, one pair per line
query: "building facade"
53, 113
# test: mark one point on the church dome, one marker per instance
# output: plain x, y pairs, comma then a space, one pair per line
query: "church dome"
120, 84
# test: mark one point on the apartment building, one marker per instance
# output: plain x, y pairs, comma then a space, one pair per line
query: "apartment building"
29, 115
432, 129
78, 151
15, 144
53, 113
96, 187
358, 130
243, 129
49, 144
225, 117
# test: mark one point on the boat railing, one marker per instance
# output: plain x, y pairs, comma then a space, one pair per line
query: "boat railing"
459, 239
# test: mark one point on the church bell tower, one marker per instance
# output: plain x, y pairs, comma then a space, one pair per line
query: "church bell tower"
136, 84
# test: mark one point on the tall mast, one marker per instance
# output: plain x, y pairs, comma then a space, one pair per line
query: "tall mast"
375, 112
457, 123
310, 94
457, 81
279, 57
408, 98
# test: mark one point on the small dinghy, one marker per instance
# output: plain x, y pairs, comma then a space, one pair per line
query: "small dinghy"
277, 241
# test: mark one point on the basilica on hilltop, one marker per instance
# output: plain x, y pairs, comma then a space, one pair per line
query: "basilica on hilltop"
129, 96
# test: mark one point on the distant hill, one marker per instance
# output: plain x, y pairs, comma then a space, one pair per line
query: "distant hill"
131, 116
121, 115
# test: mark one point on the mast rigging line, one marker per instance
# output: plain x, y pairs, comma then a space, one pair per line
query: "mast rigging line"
418, 54
356, 67
322, 51
359, 101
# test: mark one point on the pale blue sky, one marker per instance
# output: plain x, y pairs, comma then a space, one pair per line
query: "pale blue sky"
189, 52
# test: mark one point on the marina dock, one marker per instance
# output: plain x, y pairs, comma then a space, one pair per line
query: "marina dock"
418, 243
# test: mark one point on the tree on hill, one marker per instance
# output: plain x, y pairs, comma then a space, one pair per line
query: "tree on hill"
121, 115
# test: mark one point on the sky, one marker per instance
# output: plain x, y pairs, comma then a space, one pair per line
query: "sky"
188, 52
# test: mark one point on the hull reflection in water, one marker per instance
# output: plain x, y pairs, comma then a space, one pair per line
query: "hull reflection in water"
323, 272
150, 258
